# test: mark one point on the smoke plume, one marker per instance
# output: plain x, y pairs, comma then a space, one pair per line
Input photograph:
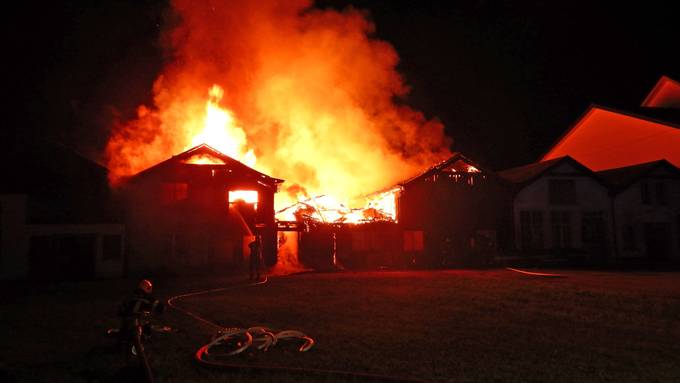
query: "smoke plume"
318, 97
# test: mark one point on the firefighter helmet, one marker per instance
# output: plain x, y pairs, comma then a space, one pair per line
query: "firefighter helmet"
146, 286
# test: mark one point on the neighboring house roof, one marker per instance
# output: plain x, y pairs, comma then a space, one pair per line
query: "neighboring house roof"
604, 137
621, 178
526, 174
30, 164
447, 165
63, 186
666, 116
665, 94
238, 168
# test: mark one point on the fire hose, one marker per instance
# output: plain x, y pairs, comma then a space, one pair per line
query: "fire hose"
535, 274
261, 338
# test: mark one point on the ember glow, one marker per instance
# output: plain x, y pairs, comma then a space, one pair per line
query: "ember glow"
378, 207
298, 93
202, 159
247, 196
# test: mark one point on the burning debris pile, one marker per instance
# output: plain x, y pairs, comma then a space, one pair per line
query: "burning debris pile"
326, 209
305, 94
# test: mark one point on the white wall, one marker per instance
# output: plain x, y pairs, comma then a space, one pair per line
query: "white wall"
630, 211
590, 196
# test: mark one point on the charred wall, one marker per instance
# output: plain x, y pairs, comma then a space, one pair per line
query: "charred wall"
180, 218
463, 217
374, 245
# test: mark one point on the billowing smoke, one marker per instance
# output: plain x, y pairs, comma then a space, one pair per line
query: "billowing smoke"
317, 96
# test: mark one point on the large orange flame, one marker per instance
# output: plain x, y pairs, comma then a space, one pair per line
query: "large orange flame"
221, 131
309, 93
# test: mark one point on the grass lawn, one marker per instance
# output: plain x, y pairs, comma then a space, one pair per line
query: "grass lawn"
458, 325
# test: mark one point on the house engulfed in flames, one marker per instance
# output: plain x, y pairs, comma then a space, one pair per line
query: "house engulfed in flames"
197, 210
449, 215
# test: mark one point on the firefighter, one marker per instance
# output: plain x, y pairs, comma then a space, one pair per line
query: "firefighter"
255, 257
137, 311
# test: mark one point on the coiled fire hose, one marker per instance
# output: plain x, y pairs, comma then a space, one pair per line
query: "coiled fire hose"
209, 354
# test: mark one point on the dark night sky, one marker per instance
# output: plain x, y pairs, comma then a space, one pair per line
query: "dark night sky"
506, 77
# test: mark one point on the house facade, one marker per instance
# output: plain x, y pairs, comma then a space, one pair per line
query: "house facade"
452, 214
622, 215
560, 207
646, 206
199, 210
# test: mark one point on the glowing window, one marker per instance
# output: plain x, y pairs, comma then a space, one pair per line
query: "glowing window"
247, 196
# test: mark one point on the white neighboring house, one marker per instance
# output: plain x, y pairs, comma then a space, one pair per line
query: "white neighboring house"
560, 206
646, 202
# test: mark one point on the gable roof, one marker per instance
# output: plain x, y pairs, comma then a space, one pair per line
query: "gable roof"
526, 174
621, 178
29, 164
659, 116
665, 94
656, 115
666, 116
205, 149
440, 167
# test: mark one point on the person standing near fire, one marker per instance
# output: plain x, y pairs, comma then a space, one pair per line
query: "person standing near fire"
255, 257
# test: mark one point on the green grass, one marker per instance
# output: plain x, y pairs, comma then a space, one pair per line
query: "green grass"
441, 326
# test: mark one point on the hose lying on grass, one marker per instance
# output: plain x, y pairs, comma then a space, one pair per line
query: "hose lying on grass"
263, 338
260, 338
535, 274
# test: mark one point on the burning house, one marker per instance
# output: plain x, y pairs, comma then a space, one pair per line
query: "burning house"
197, 210
308, 95
449, 215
